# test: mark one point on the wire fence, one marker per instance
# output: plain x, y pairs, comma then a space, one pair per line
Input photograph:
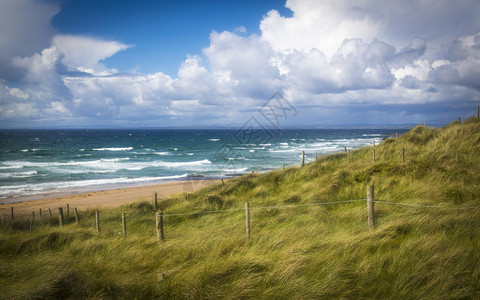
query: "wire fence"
442, 122
175, 217
222, 223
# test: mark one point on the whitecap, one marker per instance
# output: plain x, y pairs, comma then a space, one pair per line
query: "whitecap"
18, 174
114, 149
162, 153
31, 189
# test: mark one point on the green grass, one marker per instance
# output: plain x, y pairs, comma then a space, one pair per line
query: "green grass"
303, 252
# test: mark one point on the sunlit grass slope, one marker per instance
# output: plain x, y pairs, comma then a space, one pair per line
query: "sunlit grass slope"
296, 250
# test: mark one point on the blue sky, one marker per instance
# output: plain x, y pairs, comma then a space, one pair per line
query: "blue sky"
85, 63
163, 32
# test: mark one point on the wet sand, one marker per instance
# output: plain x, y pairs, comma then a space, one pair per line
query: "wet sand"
100, 199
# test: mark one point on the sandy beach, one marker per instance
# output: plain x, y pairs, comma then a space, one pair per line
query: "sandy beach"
102, 199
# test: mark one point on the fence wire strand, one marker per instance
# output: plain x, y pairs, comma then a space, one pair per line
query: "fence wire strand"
426, 205
286, 207
262, 207
304, 205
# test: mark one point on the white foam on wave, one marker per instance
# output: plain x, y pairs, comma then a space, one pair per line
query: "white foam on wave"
31, 189
18, 174
33, 150
213, 140
283, 150
8, 167
113, 149
236, 158
234, 171
183, 164
22, 164
324, 145
103, 166
162, 153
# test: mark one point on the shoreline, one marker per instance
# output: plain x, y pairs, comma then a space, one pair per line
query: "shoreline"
102, 198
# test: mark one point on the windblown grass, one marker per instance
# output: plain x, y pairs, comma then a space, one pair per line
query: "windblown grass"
295, 251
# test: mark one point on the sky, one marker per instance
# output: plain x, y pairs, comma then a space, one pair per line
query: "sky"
146, 63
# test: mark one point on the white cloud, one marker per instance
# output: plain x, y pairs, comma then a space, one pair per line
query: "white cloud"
25, 30
322, 25
49, 93
462, 65
18, 93
85, 54
329, 54
243, 66
243, 57
40, 68
14, 103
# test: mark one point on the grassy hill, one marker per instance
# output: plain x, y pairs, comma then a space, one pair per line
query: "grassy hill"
303, 243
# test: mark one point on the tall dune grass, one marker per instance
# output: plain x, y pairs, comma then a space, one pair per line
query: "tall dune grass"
295, 251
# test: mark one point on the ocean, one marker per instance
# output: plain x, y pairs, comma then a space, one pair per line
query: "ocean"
34, 162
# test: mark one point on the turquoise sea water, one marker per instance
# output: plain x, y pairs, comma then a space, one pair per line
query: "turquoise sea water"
45, 161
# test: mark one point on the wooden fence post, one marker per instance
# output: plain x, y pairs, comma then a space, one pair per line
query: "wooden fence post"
11, 212
303, 158
316, 155
50, 212
403, 154
97, 220
223, 183
68, 209
345, 148
40, 212
60, 216
124, 224
159, 226
370, 206
155, 202
33, 215
459, 120
75, 211
247, 219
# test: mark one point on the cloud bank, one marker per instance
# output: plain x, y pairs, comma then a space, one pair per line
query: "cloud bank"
368, 61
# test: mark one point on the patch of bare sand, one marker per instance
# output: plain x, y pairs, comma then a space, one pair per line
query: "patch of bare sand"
105, 198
